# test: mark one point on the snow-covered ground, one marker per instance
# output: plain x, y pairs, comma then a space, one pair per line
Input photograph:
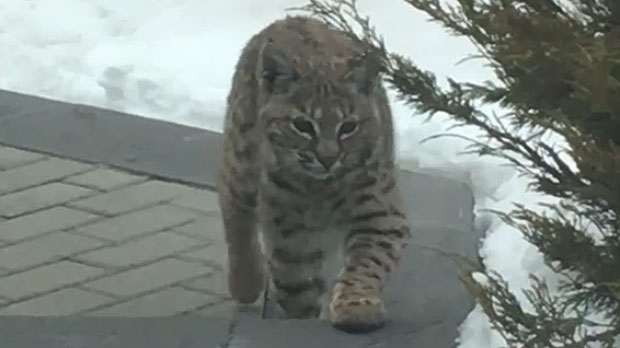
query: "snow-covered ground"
173, 60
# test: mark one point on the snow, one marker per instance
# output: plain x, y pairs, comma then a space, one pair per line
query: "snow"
173, 60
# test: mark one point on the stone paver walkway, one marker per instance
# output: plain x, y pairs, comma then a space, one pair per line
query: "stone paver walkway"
82, 239
96, 257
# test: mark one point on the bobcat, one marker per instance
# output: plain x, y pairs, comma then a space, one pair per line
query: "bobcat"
308, 160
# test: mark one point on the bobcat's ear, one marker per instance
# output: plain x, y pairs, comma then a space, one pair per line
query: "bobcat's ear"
276, 69
363, 75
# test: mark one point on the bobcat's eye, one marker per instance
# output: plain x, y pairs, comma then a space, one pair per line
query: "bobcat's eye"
302, 125
347, 128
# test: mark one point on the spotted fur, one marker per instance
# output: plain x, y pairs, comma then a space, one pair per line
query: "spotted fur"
308, 163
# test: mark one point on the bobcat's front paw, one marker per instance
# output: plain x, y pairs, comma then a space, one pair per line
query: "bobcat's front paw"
356, 313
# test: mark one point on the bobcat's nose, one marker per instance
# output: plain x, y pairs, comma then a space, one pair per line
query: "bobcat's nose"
328, 161
327, 152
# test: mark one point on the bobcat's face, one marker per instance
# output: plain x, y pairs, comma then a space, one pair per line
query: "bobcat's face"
322, 136
321, 126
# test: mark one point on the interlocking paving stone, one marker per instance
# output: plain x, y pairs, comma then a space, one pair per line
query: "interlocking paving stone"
82, 132
447, 204
104, 179
253, 332
46, 278
202, 200
39, 197
63, 302
38, 173
198, 228
157, 218
44, 249
426, 291
213, 254
115, 332
41, 222
140, 250
11, 157
440, 334
169, 301
214, 283
133, 197
150, 277
224, 309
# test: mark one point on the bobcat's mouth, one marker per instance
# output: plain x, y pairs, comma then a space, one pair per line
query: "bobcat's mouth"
320, 173
320, 176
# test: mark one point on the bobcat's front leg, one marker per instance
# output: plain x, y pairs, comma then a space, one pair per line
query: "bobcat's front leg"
379, 231
295, 266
